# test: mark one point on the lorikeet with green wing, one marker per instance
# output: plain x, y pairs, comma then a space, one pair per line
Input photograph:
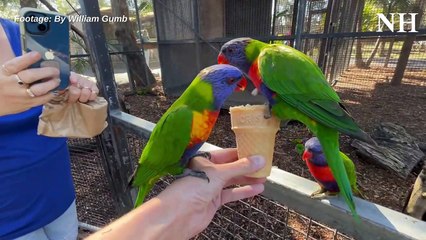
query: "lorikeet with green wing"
185, 126
296, 89
314, 157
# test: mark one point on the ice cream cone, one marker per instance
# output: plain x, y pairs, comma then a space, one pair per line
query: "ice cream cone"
255, 135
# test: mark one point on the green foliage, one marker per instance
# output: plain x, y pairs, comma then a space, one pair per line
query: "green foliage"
373, 7
145, 7
78, 65
369, 16
9, 9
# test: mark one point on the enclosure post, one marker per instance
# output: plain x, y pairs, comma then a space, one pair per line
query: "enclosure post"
274, 17
140, 38
322, 58
197, 34
299, 23
112, 142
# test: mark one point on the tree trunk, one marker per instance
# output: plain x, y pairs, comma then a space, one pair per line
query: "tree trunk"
140, 74
395, 150
389, 53
358, 55
382, 52
406, 47
373, 53
28, 3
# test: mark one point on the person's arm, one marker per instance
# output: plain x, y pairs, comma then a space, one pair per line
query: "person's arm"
188, 205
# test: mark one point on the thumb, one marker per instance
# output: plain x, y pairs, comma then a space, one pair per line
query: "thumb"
242, 166
73, 78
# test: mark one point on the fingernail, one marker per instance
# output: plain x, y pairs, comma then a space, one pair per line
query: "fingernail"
257, 160
33, 53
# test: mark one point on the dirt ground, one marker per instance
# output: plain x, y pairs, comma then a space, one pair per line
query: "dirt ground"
370, 101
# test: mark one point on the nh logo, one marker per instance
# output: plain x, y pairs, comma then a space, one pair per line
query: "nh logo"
390, 24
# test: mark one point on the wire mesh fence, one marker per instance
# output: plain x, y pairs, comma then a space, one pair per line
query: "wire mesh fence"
95, 202
255, 218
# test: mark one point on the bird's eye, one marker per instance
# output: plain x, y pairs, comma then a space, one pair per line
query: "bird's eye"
230, 50
231, 81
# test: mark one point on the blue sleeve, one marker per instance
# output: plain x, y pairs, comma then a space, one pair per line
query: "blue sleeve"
12, 32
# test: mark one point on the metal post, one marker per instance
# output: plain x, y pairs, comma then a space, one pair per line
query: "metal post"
322, 58
197, 34
112, 142
299, 24
274, 17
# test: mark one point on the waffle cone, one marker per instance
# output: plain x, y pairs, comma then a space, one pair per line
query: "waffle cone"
254, 134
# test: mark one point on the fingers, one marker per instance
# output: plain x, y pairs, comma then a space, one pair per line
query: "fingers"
42, 99
44, 87
29, 76
241, 167
74, 94
224, 155
235, 194
20, 63
245, 181
81, 89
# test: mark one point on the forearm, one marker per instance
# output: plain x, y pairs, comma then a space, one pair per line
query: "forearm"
159, 218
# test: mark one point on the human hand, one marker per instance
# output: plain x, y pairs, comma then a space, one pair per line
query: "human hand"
18, 90
81, 89
188, 205
194, 201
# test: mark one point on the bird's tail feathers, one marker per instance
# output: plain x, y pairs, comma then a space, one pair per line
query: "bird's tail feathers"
144, 189
330, 146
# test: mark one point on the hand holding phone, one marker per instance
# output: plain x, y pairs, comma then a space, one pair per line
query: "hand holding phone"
42, 32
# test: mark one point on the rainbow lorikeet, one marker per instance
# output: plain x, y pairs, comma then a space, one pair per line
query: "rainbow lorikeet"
185, 126
314, 157
296, 89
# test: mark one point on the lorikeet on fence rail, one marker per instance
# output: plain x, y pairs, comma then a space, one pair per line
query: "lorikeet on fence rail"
296, 89
314, 157
185, 126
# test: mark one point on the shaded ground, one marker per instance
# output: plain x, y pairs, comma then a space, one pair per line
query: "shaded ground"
370, 101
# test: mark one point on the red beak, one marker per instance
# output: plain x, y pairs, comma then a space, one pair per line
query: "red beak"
307, 156
221, 59
241, 85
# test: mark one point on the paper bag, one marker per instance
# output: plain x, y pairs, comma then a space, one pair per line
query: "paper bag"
75, 120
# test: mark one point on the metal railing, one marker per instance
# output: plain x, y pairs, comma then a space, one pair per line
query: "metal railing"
292, 191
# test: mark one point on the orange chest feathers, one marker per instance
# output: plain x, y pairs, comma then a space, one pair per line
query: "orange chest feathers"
202, 125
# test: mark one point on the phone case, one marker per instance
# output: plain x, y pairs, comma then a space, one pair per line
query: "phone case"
47, 33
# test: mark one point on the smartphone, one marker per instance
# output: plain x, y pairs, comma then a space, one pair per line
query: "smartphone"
47, 33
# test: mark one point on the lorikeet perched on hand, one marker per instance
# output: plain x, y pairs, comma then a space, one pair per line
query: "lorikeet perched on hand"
296, 89
315, 160
185, 126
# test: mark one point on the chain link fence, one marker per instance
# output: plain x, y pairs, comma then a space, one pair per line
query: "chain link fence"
255, 218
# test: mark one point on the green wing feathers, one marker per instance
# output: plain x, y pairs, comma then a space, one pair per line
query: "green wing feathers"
164, 149
298, 81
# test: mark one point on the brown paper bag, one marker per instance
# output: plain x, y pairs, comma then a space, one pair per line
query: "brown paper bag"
75, 120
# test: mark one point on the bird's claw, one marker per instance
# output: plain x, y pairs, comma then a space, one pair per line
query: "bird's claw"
268, 113
255, 92
207, 155
322, 193
194, 173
